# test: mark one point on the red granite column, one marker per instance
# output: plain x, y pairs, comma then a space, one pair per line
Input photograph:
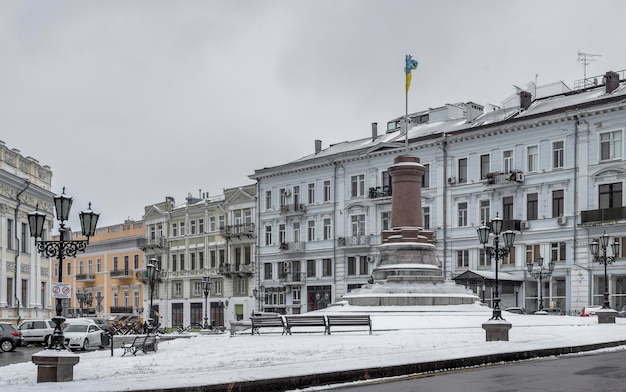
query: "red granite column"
406, 177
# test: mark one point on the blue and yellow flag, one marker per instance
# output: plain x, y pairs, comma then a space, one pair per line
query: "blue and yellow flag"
411, 64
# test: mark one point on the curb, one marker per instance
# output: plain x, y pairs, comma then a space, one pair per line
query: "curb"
311, 380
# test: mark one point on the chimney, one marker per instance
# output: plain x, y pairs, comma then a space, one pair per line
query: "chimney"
611, 80
374, 131
318, 146
472, 111
525, 98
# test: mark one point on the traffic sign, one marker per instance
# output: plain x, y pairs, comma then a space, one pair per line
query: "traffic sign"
61, 290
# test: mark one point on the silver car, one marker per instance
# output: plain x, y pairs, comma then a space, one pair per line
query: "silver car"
82, 335
37, 330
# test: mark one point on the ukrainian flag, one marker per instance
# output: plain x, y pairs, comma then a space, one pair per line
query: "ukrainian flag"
410, 65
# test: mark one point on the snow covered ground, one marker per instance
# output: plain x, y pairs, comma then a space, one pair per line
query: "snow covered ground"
401, 335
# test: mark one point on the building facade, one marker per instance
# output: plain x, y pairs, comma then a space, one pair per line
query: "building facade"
24, 276
210, 237
549, 161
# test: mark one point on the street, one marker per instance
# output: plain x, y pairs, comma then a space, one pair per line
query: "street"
24, 354
588, 372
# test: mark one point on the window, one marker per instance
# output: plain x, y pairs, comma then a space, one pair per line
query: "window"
220, 221
115, 264
98, 265
327, 267
201, 260
268, 200
386, 181
311, 193
69, 269
81, 267
610, 145
201, 226
327, 229
10, 234
484, 260
507, 208
213, 258
212, 223
352, 265
327, 195
426, 177
24, 240
385, 220
268, 235
462, 170
311, 230
462, 214
610, 195
533, 159
174, 229
557, 203
462, 258
296, 231
182, 261
532, 206
217, 286
510, 257
197, 288
281, 234
282, 198
178, 289
484, 166
90, 267
532, 253
267, 270
126, 264
357, 185
174, 263
192, 227
426, 218
310, 268
357, 224
296, 196
363, 266
192, 261
557, 155
557, 252
182, 228
485, 215
507, 161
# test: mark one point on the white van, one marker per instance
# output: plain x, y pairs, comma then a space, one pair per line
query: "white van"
37, 331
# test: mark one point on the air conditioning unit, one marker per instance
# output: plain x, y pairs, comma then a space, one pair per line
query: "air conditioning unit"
561, 220
370, 259
519, 177
287, 193
301, 207
283, 246
452, 180
524, 225
286, 267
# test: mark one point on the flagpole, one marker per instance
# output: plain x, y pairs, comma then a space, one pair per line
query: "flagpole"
406, 122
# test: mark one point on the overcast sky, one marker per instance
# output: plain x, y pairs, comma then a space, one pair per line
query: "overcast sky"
131, 101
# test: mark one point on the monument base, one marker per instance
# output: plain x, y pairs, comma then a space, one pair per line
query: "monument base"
55, 366
497, 330
606, 316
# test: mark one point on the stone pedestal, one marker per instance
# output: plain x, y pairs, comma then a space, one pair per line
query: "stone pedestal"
55, 366
497, 330
606, 316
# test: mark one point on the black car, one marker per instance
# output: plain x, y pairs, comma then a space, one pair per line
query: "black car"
10, 337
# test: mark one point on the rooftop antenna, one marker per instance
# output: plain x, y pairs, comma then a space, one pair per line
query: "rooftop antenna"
586, 59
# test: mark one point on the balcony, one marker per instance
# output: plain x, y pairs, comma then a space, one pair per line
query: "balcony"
120, 274
508, 224
378, 192
603, 215
291, 247
499, 178
292, 278
85, 277
151, 243
241, 230
293, 209
361, 240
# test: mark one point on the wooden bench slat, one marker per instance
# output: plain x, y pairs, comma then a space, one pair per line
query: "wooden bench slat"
305, 321
265, 321
349, 320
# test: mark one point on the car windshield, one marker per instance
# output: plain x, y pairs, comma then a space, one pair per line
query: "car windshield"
75, 328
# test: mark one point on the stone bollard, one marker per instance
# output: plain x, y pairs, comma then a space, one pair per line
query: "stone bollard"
55, 366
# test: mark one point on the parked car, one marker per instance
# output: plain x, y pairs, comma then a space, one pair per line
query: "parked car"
590, 310
82, 334
10, 337
37, 330
554, 311
103, 323
516, 310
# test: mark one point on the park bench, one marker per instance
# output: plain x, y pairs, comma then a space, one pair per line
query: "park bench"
143, 343
305, 321
267, 321
337, 320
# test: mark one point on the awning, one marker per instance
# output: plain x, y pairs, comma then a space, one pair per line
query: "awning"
473, 278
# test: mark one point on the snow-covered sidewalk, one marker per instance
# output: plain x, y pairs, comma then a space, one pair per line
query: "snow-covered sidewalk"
401, 335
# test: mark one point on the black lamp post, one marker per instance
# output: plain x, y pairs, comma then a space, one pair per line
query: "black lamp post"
541, 274
63, 247
153, 274
604, 259
83, 298
496, 253
206, 289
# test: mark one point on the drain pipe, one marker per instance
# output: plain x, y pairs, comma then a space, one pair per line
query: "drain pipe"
444, 147
18, 277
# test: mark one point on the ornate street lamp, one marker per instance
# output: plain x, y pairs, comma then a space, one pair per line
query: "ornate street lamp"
206, 289
153, 275
83, 298
541, 274
62, 248
496, 253
595, 248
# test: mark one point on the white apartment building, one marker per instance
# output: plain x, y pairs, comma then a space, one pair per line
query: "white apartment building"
25, 277
210, 236
549, 161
